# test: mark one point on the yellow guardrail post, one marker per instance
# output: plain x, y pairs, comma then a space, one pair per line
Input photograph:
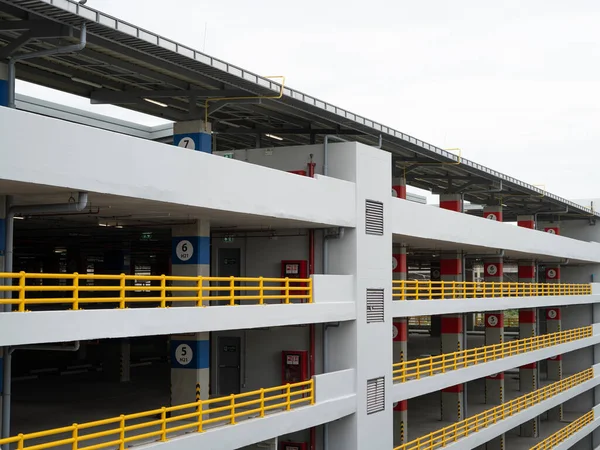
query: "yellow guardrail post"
261, 291
163, 424
289, 397
262, 402
231, 291
163, 291
122, 433
76, 291
200, 295
22, 291
312, 391
74, 437
287, 290
122, 292
232, 409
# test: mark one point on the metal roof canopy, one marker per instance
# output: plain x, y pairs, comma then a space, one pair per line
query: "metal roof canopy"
123, 64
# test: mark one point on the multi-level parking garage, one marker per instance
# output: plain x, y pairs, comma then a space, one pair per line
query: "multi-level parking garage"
235, 290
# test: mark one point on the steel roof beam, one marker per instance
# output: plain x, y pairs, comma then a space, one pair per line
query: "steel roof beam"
106, 96
192, 76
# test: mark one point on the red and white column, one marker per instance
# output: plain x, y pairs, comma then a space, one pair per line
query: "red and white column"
553, 325
527, 221
493, 272
493, 212
452, 339
528, 379
453, 202
399, 187
400, 348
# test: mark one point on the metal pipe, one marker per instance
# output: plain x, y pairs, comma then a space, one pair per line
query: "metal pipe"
535, 215
12, 211
50, 348
52, 51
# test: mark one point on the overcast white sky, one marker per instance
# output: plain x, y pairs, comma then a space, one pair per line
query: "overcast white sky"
514, 84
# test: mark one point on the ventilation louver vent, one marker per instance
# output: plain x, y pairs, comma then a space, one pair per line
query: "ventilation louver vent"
375, 395
375, 305
374, 217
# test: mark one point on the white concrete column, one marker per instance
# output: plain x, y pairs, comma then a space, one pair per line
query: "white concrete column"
190, 361
366, 343
3, 84
193, 135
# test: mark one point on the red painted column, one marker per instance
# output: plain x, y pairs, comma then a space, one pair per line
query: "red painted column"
528, 379
399, 187
453, 202
527, 221
493, 212
452, 338
400, 348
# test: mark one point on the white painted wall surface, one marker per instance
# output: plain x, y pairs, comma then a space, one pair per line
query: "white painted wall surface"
409, 308
439, 225
131, 167
256, 430
334, 303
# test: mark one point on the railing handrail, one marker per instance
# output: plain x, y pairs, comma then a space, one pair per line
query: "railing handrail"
431, 365
561, 435
452, 433
200, 290
306, 394
437, 290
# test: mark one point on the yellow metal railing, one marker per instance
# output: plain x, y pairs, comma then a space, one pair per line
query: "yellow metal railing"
435, 290
161, 423
473, 424
425, 321
432, 365
564, 433
161, 290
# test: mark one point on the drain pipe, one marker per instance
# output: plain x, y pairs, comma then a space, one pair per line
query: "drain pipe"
49, 52
12, 211
535, 215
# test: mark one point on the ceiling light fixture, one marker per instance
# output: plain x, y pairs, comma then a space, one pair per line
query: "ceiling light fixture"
272, 136
149, 100
89, 83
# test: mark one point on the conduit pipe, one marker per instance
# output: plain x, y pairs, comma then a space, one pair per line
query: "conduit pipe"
49, 52
12, 211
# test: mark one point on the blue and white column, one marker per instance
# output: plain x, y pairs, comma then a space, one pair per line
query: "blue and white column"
193, 135
3, 84
190, 361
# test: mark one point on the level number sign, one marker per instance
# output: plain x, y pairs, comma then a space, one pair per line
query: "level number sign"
187, 142
551, 273
394, 263
394, 331
551, 230
552, 314
184, 354
492, 321
492, 269
492, 216
184, 250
